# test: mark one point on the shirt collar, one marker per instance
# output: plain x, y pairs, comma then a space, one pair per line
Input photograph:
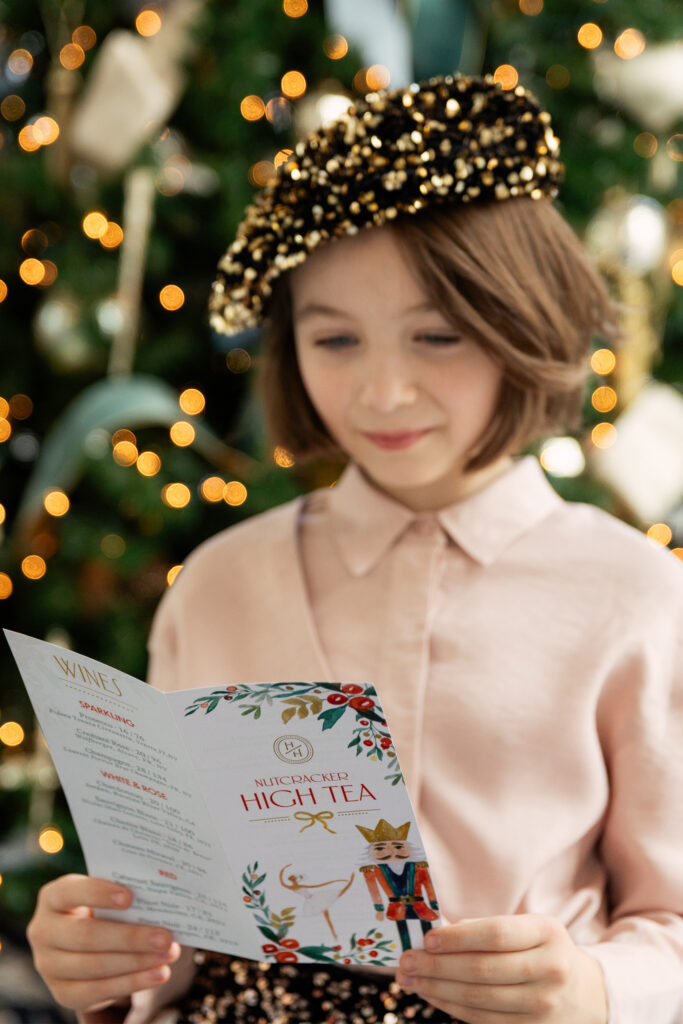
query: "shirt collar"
366, 522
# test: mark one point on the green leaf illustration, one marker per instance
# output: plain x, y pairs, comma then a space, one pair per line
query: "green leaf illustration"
331, 716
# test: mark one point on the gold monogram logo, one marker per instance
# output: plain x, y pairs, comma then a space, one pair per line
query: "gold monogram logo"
293, 749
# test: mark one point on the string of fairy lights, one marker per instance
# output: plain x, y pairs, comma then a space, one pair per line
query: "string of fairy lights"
42, 130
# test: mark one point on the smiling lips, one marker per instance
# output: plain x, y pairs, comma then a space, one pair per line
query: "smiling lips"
396, 440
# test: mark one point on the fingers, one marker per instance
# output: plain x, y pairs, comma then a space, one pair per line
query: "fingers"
480, 968
92, 935
82, 995
66, 966
459, 998
495, 934
69, 892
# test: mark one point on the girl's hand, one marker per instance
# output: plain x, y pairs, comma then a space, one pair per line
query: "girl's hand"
88, 963
519, 969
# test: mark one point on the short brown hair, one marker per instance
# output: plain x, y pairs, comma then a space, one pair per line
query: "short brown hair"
514, 275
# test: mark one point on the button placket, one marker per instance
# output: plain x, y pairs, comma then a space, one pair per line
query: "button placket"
404, 660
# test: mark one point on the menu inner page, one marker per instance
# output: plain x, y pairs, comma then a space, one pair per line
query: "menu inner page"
133, 797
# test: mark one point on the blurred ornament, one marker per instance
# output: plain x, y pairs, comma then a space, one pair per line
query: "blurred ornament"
132, 89
631, 231
60, 334
645, 464
24, 447
319, 108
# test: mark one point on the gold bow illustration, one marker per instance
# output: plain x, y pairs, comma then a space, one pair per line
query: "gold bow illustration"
312, 818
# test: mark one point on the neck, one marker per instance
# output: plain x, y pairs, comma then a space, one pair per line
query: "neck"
442, 493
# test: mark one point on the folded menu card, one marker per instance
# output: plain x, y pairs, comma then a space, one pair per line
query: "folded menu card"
269, 821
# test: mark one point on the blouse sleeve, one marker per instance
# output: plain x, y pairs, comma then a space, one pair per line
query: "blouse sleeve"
640, 719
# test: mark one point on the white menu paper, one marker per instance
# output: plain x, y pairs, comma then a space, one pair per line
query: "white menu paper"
269, 821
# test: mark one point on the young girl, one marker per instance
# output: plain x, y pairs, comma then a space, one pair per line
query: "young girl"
527, 650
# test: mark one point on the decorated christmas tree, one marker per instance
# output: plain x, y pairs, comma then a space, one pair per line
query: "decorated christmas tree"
131, 137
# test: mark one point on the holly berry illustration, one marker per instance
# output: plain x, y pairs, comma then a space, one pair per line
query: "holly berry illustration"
337, 698
361, 703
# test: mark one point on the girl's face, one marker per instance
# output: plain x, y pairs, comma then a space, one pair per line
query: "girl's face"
400, 389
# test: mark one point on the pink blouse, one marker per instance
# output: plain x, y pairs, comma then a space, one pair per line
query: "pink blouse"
528, 654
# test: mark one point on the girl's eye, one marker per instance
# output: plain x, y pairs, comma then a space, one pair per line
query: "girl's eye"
338, 341
440, 339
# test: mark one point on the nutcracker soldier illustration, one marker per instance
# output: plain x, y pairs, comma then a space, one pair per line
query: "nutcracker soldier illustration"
401, 879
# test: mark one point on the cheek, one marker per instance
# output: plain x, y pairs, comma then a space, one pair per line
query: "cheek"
326, 391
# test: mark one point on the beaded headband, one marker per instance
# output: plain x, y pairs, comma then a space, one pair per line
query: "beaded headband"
450, 139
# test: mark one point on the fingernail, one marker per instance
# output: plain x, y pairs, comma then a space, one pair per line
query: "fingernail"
408, 962
119, 899
160, 974
432, 941
159, 941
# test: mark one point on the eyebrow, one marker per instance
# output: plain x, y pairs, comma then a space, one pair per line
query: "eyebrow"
313, 308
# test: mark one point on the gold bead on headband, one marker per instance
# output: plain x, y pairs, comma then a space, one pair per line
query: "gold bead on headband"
451, 139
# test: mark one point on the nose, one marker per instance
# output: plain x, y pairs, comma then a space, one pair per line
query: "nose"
386, 385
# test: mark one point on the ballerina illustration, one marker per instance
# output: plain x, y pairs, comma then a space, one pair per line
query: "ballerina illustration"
318, 898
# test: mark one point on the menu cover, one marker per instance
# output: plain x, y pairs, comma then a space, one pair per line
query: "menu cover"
269, 821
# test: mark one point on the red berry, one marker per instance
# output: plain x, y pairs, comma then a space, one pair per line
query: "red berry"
337, 698
368, 743
230, 689
285, 957
361, 703
204, 704
346, 960
352, 688
364, 721
385, 743
269, 947
373, 952
289, 943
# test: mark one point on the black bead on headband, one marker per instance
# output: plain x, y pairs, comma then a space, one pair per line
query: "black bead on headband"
451, 139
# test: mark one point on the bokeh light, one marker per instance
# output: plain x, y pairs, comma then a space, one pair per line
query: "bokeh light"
171, 297
604, 435
4, 407
234, 493
56, 503
293, 84
261, 173
123, 434
3, 290
3, 514
84, 36
674, 146
31, 271
192, 401
94, 224
252, 108
629, 44
295, 8
660, 533
506, 76
182, 433
378, 77
125, 453
589, 35
45, 130
11, 734
50, 275
282, 156
20, 62
112, 236
176, 495
238, 360
33, 567
34, 242
212, 488
148, 463
604, 399
148, 22
27, 140
12, 107
5, 429
531, 7
335, 46
112, 545
21, 407
282, 457
6, 586
557, 76
645, 144
50, 839
172, 574
677, 272
71, 56
603, 361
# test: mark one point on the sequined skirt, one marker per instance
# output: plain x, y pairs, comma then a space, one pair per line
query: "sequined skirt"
227, 989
